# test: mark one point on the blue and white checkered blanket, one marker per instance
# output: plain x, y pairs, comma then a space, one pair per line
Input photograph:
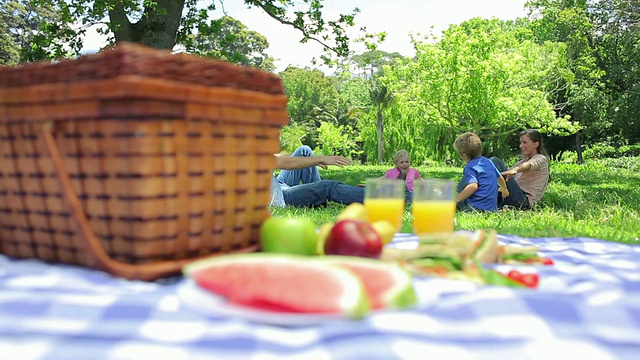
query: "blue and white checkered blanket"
587, 306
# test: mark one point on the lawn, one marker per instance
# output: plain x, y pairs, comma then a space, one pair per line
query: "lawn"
598, 199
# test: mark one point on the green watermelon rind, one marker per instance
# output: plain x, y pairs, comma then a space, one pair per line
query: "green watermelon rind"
354, 305
401, 296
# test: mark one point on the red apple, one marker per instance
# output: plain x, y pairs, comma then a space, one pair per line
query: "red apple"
353, 238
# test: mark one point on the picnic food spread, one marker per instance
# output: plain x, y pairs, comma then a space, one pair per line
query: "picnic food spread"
354, 270
463, 256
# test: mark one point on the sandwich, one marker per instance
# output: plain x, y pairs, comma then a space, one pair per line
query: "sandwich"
486, 249
517, 255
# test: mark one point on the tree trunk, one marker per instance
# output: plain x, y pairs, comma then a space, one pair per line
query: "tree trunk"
157, 27
380, 129
579, 146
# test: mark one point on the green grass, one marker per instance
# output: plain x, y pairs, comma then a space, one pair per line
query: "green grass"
599, 199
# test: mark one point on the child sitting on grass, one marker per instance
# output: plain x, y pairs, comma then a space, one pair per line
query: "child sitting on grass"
404, 171
478, 189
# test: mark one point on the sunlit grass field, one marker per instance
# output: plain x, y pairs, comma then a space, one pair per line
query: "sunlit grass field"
598, 199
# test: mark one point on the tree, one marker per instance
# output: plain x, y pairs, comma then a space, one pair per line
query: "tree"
229, 40
482, 76
339, 120
307, 90
371, 62
348, 104
21, 23
603, 45
165, 23
336, 140
9, 50
382, 98
585, 101
325, 111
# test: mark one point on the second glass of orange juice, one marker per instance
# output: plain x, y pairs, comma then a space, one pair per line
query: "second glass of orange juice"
384, 200
434, 206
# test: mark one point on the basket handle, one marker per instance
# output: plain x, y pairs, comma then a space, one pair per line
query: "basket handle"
91, 244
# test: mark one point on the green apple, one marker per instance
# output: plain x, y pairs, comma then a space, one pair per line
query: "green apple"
288, 235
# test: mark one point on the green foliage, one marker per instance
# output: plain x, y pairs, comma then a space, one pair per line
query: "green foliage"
354, 93
603, 151
372, 62
311, 23
164, 24
591, 200
630, 163
22, 23
483, 77
497, 77
307, 91
382, 98
602, 39
291, 137
229, 40
9, 48
405, 132
9, 51
337, 140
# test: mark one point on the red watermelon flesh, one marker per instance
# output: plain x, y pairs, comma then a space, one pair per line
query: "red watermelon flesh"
284, 283
386, 284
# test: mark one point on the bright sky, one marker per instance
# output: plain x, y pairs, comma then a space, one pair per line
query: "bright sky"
398, 19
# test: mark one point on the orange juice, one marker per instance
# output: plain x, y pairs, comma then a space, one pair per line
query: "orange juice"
433, 216
385, 209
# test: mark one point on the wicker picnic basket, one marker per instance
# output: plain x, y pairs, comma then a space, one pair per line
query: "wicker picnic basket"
135, 161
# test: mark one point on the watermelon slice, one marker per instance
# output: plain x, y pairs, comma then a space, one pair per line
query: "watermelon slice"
286, 283
387, 285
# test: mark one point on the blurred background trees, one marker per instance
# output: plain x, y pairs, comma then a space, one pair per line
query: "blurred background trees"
570, 69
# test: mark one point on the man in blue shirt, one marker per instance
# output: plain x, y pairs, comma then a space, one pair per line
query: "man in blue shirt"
299, 183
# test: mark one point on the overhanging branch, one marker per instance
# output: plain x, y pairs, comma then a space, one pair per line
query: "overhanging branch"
271, 10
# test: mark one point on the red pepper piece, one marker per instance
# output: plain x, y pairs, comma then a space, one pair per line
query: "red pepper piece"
528, 280
531, 280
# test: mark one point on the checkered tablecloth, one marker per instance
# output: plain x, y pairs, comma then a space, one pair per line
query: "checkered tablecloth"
587, 306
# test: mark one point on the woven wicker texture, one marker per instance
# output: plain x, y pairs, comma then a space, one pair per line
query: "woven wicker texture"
167, 158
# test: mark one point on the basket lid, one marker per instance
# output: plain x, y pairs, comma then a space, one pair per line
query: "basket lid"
135, 59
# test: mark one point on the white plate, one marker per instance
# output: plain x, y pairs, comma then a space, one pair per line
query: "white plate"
203, 302
428, 290
206, 303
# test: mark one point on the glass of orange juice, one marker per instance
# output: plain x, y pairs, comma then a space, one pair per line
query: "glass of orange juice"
434, 206
384, 200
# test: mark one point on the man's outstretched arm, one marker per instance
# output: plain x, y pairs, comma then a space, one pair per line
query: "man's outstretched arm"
286, 162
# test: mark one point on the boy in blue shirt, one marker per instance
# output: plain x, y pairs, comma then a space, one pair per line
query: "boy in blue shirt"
478, 189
